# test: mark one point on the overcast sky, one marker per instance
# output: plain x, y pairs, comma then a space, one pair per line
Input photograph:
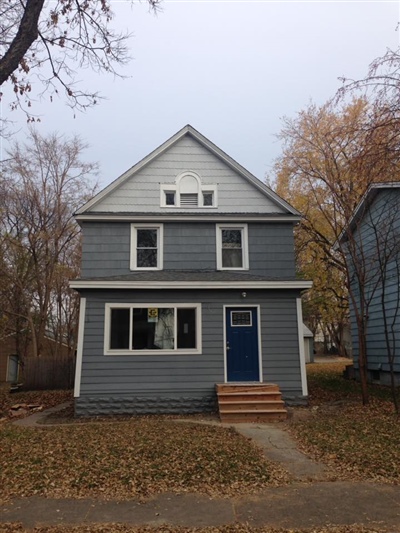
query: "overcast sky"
231, 69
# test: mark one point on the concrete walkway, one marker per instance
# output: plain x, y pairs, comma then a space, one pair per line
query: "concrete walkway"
310, 501
295, 506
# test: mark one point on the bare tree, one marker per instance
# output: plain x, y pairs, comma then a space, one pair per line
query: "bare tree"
46, 182
48, 42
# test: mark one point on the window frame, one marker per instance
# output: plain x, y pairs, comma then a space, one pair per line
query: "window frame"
131, 307
245, 246
175, 189
160, 245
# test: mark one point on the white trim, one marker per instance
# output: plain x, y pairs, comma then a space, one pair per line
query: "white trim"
79, 348
179, 217
176, 189
245, 245
297, 284
189, 130
260, 368
8, 365
160, 246
301, 347
176, 351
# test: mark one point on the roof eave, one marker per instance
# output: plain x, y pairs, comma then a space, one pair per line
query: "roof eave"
158, 285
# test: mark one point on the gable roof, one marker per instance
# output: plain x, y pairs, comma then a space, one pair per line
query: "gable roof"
366, 200
190, 131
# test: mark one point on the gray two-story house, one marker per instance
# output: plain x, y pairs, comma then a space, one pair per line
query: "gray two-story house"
188, 282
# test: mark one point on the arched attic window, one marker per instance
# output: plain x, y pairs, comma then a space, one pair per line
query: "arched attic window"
188, 187
188, 192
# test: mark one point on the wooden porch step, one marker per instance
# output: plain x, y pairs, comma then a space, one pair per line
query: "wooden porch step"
247, 387
253, 417
250, 402
225, 406
250, 396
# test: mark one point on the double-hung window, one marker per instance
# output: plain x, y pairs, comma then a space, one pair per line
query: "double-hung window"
146, 247
152, 328
232, 247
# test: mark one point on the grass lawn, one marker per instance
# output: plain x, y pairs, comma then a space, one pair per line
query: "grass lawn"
114, 528
359, 442
130, 458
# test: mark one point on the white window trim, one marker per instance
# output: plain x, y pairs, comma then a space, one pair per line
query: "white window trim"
160, 245
175, 188
176, 351
245, 246
79, 348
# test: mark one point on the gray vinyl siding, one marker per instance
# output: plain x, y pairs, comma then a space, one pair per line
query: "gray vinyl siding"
172, 382
384, 210
142, 191
106, 248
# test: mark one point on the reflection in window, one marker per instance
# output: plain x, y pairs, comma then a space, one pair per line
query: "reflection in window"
232, 252
119, 338
146, 248
207, 199
169, 198
153, 328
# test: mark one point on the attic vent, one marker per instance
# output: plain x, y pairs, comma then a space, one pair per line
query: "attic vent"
189, 200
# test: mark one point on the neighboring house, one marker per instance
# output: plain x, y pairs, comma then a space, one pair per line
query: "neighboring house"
308, 344
12, 358
373, 238
188, 281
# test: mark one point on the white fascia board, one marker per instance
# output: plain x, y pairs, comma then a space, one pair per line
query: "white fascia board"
366, 197
241, 170
135, 168
148, 285
218, 217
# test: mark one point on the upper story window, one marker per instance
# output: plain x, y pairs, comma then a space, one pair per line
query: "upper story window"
188, 192
146, 246
232, 247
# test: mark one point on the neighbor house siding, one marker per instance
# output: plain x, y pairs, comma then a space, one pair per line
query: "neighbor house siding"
183, 382
187, 246
385, 211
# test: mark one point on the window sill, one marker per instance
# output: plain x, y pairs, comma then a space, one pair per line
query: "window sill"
153, 352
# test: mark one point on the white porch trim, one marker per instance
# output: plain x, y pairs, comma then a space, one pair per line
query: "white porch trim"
79, 349
301, 347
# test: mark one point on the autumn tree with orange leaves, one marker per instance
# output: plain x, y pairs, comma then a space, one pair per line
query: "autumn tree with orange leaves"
331, 154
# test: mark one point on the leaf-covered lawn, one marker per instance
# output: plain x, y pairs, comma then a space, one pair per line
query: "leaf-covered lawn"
115, 528
359, 442
43, 398
128, 459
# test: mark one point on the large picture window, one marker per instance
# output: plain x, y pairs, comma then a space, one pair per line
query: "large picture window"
146, 247
143, 328
232, 248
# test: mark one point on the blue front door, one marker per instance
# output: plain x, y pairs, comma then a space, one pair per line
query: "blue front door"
242, 344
